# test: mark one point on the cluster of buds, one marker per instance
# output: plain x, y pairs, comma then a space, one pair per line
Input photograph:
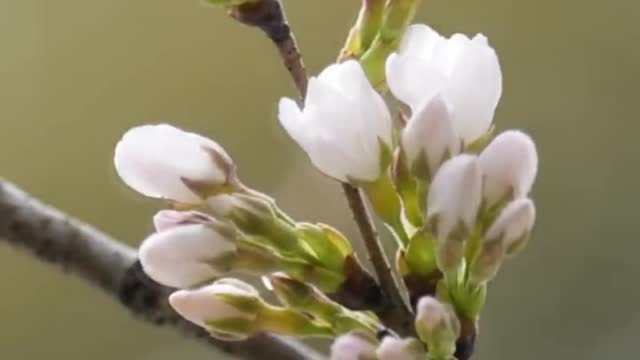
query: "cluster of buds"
217, 225
437, 326
453, 193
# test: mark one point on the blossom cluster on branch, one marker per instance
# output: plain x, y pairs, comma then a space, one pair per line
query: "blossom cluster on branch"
453, 194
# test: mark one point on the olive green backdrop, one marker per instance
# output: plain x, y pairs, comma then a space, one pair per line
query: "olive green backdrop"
75, 74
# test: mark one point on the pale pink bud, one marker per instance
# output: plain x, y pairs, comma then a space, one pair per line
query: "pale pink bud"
184, 256
226, 298
352, 347
165, 162
509, 165
429, 136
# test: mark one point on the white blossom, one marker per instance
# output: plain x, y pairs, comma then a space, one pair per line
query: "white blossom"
509, 165
352, 347
182, 256
343, 125
430, 135
455, 195
215, 302
465, 71
162, 161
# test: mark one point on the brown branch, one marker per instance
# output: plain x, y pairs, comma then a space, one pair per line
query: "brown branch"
269, 16
395, 312
84, 251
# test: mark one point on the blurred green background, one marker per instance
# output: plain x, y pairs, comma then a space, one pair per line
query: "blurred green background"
75, 74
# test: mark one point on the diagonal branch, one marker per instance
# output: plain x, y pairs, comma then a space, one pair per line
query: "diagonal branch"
395, 312
269, 16
84, 251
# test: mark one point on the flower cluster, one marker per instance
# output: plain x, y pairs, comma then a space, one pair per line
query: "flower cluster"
454, 195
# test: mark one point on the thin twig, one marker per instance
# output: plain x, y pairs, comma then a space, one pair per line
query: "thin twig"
269, 16
86, 252
397, 315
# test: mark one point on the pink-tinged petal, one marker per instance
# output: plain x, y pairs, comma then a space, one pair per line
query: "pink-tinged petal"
180, 256
430, 132
509, 165
156, 159
455, 195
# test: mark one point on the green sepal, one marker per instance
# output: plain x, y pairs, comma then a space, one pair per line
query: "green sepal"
365, 29
301, 296
420, 255
232, 326
408, 188
398, 15
387, 205
476, 146
329, 246
244, 303
290, 322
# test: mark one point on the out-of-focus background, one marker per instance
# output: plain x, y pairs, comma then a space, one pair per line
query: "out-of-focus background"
74, 75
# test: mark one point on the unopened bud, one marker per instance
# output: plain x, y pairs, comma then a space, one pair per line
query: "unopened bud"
438, 326
488, 260
514, 225
227, 308
393, 348
429, 138
184, 256
353, 347
454, 196
509, 166
452, 207
165, 162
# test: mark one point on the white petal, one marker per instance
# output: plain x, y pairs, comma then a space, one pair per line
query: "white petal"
202, 305
514, 222
455, 194
411, 75
420, 40
466, 70
342, 123
236, 287
393, 348
447, 53
166, 219
431, 132
412, 80
508, 164
352, 347
153, 160
178, 257
474, 88
348, 78
292, 121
